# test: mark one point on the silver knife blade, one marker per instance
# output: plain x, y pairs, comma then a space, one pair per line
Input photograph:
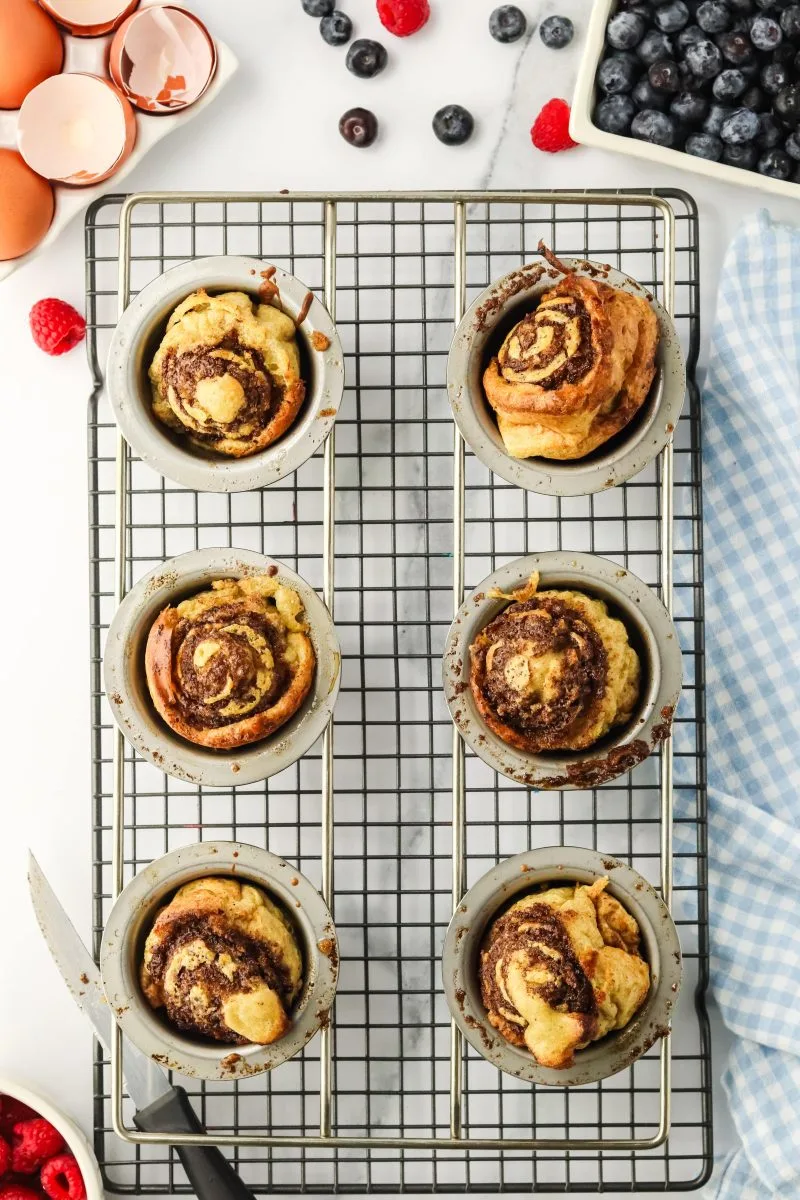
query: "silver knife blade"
145, 1080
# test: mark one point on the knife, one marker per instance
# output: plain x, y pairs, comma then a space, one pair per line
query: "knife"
160, 1107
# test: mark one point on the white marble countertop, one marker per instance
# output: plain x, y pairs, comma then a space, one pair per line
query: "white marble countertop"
273, 127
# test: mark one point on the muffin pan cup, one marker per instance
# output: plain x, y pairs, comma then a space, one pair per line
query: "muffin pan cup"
557, 866
653, 636
486, 322
129, 697
137, 337
132, 917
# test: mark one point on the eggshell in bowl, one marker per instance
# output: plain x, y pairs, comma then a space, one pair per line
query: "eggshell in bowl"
89, 18
31, 50
163, 59
27, 205
76, 128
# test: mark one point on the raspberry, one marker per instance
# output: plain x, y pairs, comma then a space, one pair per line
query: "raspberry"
62, 1179
403, 17
56, 326
550, 130
34, 1142
5, 1156
11, 1112
17, 1191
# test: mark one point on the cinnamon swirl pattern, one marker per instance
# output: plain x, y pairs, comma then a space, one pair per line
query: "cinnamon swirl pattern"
227, 373
575, 370
231, 665
553, 671
223, 961
562, 968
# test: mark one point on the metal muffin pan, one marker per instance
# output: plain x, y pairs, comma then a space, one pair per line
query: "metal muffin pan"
132, 917
129, 697
584, 130
137, 337
653, 636
487, 321
514, 878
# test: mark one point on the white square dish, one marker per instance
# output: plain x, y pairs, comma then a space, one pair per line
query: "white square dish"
583, 129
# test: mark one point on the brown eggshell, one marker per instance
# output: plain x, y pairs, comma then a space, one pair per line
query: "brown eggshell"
94, 134
26, 206
89, 18
31, 50
163, 59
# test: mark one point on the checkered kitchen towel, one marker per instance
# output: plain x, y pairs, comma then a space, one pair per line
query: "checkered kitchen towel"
751, 424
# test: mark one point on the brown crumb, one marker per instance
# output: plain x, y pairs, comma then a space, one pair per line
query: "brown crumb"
320, 341
327, 412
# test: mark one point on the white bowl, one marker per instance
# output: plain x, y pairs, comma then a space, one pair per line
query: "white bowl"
77, 1142
583, 129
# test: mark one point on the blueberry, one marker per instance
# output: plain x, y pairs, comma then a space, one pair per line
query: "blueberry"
625, 30
784, 54
556, 32
774, 76
689, 107
704, 145
618, 73
786, 105
713, 16
359, 127
507, 23
770, 133
741, 156
654, 45
614, 114
453, 125
797, 64
652, 126
645, 96
729, 85
665, 77
318, 8
717, 115
754, 99
689, 36
792, 146
672, 17
736, 48
790, 22
741, 6
337, 28
366, 58
765, 33
703, 59
796, 176
776, 164
741, 126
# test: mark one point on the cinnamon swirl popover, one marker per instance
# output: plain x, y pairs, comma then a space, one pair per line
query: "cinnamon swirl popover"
575, 370
227, 373
562, 968
223, 960
229, 666
553, 671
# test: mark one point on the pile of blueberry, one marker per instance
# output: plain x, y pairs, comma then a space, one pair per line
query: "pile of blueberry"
719, 79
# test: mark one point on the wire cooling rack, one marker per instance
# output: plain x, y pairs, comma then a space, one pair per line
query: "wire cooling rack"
387, 816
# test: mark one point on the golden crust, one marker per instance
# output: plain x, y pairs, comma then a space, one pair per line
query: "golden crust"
573, 372
229, 666
223, 960
550, 978
227, 373
554, 671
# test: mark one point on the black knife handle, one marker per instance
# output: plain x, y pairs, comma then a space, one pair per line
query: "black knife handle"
210, 1173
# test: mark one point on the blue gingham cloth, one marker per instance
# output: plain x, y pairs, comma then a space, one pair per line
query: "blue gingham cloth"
751, 430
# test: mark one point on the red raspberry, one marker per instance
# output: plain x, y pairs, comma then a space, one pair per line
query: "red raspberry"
11, 1112
17, 1191
550, 130
34, 1142
56, 326
62, 1180
5, 1156
403, 17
